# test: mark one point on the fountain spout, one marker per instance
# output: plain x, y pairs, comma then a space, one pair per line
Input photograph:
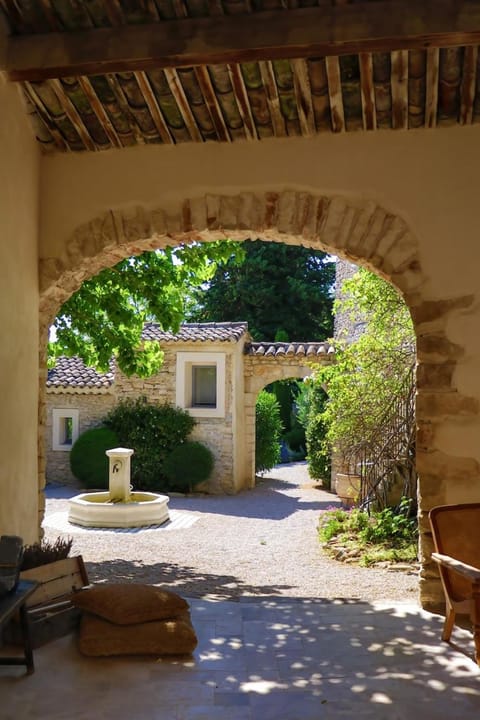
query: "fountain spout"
119, 475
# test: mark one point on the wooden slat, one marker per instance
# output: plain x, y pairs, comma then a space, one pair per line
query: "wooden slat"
99, 111
56, 580
469, 81
368, 92
399, 85
335, 94
114, 13
155, 111
214, 108
380, 26
125, 108
243, 102
183, 105
303, 95
270, 84
73, 115
44, 114
50, 15
431, 81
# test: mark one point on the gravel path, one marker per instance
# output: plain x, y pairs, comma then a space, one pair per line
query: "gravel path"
258, 543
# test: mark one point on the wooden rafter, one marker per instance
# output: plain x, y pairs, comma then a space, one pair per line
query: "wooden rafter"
243, 102
305, 32
335, 92
469, 81
399, 84
431, 99
270, 84
73, 115
178, 93
99, 111
153, 107
46, 118
303, 95
214, 108
368, 92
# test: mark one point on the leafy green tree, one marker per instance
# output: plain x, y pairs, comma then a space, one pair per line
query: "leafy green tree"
268, 429
369, 372
284, 292
105, 317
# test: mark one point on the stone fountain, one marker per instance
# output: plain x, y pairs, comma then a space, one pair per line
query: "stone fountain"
119, 507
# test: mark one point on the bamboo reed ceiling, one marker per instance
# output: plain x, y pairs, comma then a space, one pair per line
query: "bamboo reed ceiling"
420, 85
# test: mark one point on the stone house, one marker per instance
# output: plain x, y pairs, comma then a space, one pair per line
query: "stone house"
213, 370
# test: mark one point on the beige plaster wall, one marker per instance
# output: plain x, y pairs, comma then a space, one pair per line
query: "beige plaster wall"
19, 177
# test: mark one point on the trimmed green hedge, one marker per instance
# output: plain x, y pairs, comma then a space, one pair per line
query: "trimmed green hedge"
188, 465
152, 430
88, 460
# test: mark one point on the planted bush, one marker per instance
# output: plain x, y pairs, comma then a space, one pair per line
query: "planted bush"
88, 460
268, 429
188, 465
152, 430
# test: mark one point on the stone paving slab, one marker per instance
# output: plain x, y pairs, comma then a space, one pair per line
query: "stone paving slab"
268, 660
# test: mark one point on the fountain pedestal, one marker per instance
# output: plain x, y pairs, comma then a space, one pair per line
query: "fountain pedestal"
118, 507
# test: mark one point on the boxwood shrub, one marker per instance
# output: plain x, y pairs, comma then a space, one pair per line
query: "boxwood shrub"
88, 460
152, 430
188, 465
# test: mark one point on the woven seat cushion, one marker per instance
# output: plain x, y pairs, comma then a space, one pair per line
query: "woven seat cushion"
127, 604
99, 637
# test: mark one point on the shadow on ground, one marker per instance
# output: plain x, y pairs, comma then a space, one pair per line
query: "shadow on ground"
181, 578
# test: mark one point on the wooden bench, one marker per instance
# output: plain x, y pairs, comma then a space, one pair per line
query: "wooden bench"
11, 604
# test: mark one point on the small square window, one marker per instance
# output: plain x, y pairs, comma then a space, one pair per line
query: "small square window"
204, 386
200, 383
65, 428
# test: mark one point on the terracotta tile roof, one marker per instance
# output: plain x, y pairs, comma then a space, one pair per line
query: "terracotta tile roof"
72, 373
198, 332
277, 350
245, 95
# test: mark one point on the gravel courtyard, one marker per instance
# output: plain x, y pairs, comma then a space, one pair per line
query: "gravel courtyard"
261, 542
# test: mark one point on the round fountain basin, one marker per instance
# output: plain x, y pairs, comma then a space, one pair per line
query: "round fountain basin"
94, 509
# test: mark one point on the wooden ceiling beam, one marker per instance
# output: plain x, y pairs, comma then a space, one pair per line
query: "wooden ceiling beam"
382, 26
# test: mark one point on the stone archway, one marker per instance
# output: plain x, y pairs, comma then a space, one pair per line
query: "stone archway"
357, 229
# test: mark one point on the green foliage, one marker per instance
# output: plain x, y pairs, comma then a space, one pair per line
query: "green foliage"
282, 291
152, 430
311, 404
268, 429
393, 526
188, 465
105, 318
283, 391
88, 460
367, 373
388, 535
295, 438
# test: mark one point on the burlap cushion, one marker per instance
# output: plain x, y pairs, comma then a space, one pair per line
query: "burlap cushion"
126, 604
99, 637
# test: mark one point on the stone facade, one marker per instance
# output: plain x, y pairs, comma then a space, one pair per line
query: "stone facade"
92, 407
249, 367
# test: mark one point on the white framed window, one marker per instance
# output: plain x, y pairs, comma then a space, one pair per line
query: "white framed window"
200, 383
65, 428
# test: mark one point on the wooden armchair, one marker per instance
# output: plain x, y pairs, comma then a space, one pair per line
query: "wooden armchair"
456, 535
